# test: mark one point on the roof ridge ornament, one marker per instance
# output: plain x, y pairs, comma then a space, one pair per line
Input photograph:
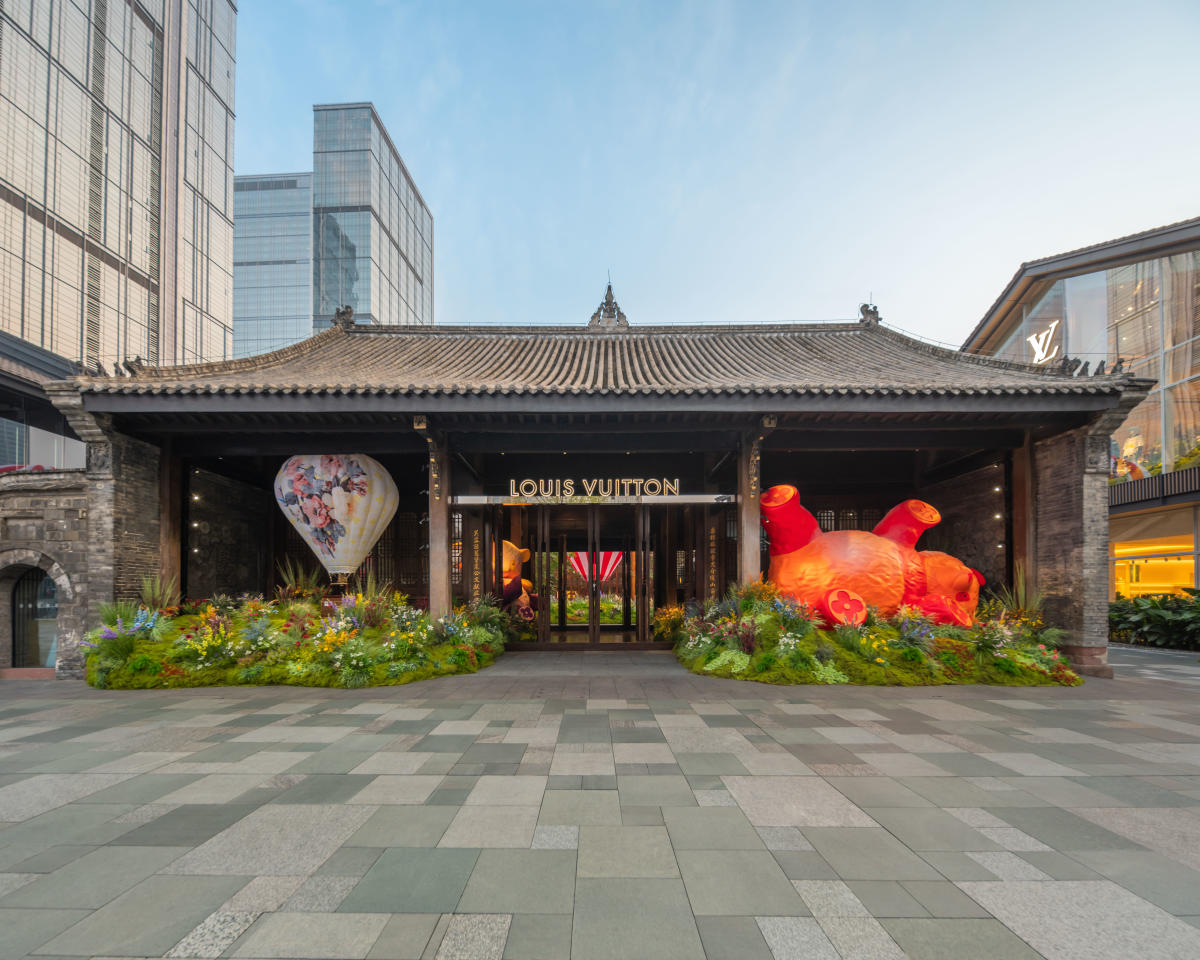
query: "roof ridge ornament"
344, 317
868, 314
608, 314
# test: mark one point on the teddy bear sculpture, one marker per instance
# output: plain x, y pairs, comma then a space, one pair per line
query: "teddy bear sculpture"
841, 573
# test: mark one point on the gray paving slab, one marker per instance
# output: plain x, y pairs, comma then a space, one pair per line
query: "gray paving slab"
521, 881
27, 930
282, 936
655, 921
732, 938
94, 879
413, 880
868, 853
606, 851
738, 883
147, 920
403, 826
538, 936
958, 939
190, 824
278, 839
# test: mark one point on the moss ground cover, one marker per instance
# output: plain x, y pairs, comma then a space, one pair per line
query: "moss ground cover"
354, 641
756, 634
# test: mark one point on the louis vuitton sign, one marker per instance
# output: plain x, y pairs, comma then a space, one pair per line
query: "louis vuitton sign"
601, 488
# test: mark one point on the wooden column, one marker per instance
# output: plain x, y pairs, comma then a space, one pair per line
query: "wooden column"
170, 505
749, 488
1024, 495
439, 528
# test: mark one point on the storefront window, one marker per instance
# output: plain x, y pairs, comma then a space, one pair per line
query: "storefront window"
1138, 578
1169, 531
1133, 545
1137, 445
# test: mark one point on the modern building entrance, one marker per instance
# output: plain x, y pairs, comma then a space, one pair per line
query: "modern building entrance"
597, 572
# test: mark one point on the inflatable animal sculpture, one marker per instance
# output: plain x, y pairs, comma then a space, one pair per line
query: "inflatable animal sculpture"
841, 573
516, 595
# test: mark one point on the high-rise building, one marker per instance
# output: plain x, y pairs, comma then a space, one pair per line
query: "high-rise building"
116, 178
369, 237
272, 258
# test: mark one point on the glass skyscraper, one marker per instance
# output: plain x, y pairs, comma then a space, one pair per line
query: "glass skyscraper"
368, 239
116, 180
372, 233
272, 261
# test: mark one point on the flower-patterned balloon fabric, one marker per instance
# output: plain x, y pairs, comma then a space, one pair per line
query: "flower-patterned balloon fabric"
339, 503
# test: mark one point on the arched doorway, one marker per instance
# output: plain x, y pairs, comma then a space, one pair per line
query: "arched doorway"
34, 620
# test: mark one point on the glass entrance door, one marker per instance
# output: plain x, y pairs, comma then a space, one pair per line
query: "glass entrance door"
593, 570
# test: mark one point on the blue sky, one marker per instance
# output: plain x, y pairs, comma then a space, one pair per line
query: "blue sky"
749, 161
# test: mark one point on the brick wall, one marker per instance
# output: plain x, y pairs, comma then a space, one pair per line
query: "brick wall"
1071, 542
228, 537
43, 524
969, 529
136, 516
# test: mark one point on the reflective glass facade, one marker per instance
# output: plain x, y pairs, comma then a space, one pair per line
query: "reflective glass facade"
372, 233
1147, 313
115, 240
272, 262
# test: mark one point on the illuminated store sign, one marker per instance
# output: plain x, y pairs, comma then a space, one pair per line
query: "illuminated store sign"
1041, 344
593, 487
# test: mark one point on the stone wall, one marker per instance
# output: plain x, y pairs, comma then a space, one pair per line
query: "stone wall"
970, 529
44, 524
228, 537
1071, 542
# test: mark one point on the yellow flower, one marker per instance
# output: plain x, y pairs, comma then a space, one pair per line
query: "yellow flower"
879, 660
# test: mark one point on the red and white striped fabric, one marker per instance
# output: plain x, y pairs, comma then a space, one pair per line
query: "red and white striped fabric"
609, 561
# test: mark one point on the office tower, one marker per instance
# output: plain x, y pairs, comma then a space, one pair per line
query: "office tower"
370, 237
273, 271
116, 180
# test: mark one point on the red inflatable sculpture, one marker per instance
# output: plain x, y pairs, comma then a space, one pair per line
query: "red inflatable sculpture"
839, 574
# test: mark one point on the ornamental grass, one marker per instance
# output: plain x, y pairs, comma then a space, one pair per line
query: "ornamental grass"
754, 633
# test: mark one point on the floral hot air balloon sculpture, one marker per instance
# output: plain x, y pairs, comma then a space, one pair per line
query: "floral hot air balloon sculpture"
339, 503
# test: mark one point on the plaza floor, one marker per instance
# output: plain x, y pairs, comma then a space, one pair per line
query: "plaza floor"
594, 806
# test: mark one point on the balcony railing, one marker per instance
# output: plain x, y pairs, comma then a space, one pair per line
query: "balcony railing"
1177, 483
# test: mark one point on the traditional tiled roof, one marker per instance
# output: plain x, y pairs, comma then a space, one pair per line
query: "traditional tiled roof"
795, 359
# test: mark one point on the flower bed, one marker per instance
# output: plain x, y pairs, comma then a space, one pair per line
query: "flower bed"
355, 641
755, 634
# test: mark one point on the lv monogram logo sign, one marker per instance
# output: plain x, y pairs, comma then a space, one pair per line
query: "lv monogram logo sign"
1041, 344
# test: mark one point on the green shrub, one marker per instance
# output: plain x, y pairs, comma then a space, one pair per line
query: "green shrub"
801, 660
1159, 620
123, 611
145, 664
158, 593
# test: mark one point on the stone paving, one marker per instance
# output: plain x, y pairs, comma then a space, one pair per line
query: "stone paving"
594, 806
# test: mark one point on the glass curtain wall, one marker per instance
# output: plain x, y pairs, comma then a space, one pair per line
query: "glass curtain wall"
83, 197
1147, 314
372, 233
272, 278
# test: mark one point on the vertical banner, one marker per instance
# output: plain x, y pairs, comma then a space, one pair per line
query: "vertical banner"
712, 554
476, 561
